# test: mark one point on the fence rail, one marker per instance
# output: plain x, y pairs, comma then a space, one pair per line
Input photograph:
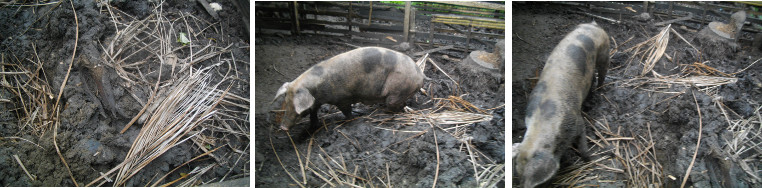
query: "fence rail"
703, 12
389, 24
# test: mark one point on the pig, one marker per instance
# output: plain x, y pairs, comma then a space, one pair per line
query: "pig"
553, 117
369, 75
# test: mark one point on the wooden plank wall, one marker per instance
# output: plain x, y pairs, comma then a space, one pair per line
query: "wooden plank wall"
383, 24
703, 12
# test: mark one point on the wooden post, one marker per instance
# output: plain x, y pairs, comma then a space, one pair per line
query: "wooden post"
295, 18
431, 35
406, 25
412, 25
670, 9
370, 13
349, 20
468, 39
645, 6
703, 18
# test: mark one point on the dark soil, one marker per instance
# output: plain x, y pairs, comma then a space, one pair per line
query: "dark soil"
374, 156
92, 114
671, 113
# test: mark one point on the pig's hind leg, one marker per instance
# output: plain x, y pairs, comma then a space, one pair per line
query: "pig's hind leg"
581, 139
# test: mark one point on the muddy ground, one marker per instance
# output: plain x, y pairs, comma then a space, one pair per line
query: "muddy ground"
665, 114
41, 38
363, 152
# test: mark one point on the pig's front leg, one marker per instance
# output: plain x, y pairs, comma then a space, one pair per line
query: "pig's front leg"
346, 109
314, 119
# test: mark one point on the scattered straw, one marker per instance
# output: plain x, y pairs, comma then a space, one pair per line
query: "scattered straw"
178, 167
281, 164
631, 157
24, 168
14, 137
63, 85
197, 172
698, 143
436, 145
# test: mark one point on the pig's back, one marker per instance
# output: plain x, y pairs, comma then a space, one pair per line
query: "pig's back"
571, 66
360, 75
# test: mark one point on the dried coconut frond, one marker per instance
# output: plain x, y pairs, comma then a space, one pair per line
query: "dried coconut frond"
656, 50
190, 102
445, 118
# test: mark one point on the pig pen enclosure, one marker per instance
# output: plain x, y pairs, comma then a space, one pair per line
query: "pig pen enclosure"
451, 133
123, 93
680, 104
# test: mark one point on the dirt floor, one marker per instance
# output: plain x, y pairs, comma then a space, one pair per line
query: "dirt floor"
653, 126
367, 151
38, 40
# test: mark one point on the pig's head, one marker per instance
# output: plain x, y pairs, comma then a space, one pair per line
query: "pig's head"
291, 103
535, 167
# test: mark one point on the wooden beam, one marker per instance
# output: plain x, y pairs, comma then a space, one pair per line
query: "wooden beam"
433, 50
493, 6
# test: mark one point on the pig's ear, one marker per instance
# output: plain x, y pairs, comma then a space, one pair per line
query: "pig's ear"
281, 91
540, 169
302, 100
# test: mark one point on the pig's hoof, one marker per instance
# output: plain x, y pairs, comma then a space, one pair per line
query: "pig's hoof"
350, 117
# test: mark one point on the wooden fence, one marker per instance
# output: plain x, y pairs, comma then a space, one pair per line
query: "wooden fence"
466, 25
702, 12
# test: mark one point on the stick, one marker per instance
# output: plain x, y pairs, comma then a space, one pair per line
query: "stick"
23, 167
281, 163
596, 16
698, 143
747, 67
473, 161
434, 50
182, 165
681, 37
443, 72
389, 183
436, 144
298, 157
14, 137
690, 15
350, 140
12, 73
344, 43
